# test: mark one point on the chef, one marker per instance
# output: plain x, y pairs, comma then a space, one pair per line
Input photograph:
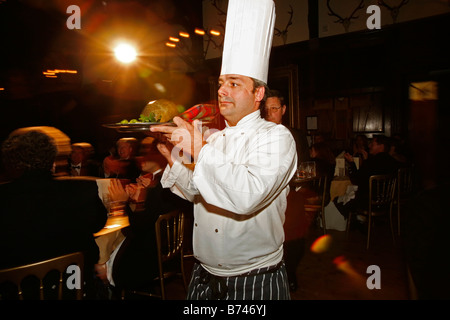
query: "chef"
239, 183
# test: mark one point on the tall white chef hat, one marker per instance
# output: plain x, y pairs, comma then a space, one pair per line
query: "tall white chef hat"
248, 38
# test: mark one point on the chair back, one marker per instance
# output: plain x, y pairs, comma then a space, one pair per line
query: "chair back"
318, 184
41, 270
405, 183
381, 193
169, 239
405, 188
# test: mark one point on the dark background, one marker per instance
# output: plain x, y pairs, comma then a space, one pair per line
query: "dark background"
377, 65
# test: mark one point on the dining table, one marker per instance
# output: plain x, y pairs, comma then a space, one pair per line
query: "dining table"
339, 186
110, 236
333, 218
113, 224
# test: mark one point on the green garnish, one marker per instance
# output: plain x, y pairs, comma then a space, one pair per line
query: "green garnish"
180, 108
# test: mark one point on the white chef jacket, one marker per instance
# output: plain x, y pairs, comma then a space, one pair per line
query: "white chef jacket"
239, 188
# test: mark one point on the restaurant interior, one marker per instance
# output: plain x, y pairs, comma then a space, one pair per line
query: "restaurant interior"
341, 77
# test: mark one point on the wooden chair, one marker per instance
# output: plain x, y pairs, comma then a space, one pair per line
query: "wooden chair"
170, 246
316, 205
40, 270
382, 190
405, 186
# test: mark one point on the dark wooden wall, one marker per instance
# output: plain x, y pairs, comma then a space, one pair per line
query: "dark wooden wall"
359, 82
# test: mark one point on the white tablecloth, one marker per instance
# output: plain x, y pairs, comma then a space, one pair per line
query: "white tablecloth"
334, 219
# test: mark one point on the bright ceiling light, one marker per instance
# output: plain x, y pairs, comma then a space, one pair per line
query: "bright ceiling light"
199, 31
125, 53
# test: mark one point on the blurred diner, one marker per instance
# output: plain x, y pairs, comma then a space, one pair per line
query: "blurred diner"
378, 162
81, 160
43, 217
360, 148
121, 162
325, 160
133, 264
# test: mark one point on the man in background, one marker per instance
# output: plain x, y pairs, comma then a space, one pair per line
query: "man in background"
274, 109
296, 224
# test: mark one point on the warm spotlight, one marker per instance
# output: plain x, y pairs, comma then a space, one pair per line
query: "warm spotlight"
125, 53
199, 31
215, 33
184, 34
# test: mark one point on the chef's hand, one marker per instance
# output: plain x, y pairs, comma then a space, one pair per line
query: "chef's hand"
185, 137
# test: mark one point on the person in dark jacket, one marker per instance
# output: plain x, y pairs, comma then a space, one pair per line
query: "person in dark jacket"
379, 162
325, 160
43, 217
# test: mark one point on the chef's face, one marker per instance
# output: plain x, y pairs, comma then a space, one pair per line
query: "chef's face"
238, 97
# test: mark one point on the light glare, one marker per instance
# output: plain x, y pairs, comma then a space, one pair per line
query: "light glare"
199, 31
125, 53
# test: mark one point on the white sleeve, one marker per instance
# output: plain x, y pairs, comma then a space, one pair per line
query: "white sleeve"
245, 179
179, 179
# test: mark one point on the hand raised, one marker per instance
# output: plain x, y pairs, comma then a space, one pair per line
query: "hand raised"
186, 138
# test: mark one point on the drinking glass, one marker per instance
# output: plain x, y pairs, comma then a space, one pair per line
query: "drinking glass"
116, 208
307, 169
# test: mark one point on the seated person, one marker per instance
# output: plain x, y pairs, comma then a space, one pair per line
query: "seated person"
361, 148
151, 164
135, 264
378, 162
43, 217
325, 161
122, 164
80, 161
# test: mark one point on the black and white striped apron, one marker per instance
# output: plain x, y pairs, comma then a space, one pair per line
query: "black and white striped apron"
268, 283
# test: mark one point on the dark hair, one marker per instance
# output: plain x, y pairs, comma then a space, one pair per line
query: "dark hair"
258, 83
27, 152
382, 139
364, 139
276, 94
324, 152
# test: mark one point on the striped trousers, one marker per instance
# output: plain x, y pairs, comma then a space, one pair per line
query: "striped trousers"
269, 283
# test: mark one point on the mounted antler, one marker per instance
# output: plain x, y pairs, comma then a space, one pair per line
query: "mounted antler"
394, 10
345, 21
210, 40
283, 33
